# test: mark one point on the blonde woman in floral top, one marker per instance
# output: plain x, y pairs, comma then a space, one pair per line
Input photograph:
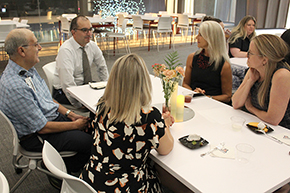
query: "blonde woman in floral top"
126, 129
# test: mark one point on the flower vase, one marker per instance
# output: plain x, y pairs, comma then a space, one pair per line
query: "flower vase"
166, 106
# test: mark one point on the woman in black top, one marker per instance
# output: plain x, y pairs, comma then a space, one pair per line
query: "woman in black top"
241, 36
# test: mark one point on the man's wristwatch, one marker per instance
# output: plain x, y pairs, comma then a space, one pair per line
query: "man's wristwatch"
67, 112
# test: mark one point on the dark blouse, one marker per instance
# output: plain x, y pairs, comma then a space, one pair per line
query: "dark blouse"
242, 44
254, 99
119, 160
204, 76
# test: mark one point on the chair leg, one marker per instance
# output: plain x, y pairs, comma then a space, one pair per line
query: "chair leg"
21, 180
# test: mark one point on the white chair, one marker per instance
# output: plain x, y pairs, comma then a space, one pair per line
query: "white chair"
121, 18
16, 19
4, 30
69, 15
96, 16
183, 23
55, 164
4, 186
138, 26
64, 28
49, 70
24, 21
164, 27
120, 35
19, 153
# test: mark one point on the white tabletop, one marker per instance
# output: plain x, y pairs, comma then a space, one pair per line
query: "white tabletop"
267, 170
239, 61
18, 24
101, 20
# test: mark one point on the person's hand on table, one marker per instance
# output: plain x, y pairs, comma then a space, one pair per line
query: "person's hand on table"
168, 119
199, 90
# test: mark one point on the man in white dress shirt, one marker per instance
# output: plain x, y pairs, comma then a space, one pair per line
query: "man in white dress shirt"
69, 61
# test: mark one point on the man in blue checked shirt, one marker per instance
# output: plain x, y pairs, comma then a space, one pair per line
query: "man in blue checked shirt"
27, 102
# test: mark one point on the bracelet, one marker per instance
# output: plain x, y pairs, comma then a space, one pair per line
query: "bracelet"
67, 112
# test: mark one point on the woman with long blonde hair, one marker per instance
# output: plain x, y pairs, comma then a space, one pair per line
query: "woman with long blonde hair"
127, 127
241, 36
265, 90
208, 70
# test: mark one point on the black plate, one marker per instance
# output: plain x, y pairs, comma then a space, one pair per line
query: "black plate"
255, 129
193, 144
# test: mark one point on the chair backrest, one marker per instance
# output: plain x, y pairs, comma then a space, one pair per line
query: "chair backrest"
4, 186
16, 19
183, 20
69, 15
5, 121
164, 24
55, 164
49, 70
24, 21
96, 16
65, 25
5, 29
121, 18
53, 161
76, 185
124, 25
137, 22
201, 14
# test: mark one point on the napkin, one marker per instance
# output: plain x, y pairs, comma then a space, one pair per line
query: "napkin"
285, 138
228, 152
98, 85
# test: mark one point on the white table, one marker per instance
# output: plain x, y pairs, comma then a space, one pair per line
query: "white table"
267, 170
18, 24
239, 61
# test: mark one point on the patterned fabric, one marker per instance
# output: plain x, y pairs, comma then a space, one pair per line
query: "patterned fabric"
238, 75
202, 60
119, 160
254, 99
206, 78
25, 99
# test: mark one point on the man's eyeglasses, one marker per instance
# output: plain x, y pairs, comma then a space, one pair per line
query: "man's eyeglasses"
252, 54
86, 30
35, 45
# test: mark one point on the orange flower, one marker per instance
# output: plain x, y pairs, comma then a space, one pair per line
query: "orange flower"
169, 74
180, 70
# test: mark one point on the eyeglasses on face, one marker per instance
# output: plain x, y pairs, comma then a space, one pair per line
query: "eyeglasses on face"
86, 30
35, 45
252, 54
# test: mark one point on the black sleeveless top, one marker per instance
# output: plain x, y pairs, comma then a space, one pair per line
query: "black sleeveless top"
285, 122
204, 76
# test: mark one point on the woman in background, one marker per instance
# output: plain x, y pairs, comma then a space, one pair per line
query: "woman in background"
127, 127
208, 70
241, 36
265, 90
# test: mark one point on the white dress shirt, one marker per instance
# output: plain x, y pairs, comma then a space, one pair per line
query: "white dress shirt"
69, 66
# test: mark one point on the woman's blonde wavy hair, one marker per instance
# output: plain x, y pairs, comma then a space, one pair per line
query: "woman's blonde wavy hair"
239, 30
274, 49
128, 90
213, 33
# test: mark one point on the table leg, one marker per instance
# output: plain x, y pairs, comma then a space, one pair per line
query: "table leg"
149, 36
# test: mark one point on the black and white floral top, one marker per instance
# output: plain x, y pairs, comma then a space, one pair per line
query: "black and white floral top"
119, 159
